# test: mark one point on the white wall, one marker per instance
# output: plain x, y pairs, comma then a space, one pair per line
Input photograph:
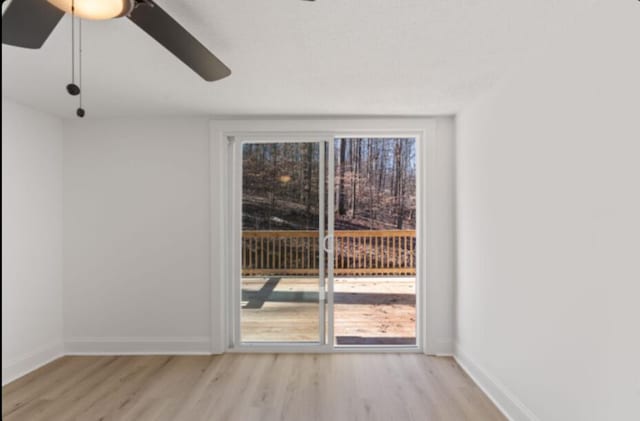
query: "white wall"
548, 291
137, 225
439, 236
136, 263
31, 239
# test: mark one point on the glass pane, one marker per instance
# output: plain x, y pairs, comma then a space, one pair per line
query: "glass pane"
375, 241
280, 250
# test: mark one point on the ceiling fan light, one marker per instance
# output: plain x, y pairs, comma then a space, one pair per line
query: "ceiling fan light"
95, 9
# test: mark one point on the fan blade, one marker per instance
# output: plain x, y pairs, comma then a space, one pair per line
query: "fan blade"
28, 23
164, 29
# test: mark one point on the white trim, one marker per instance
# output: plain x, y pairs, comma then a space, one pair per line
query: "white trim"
329, 339
19, 367
311, 348
279, 137
199, 345
219, 173
510, 406
424, 127
423, 139
322, 307
362, 127
234, 239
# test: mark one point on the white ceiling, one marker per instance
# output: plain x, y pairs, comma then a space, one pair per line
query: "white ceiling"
291, 57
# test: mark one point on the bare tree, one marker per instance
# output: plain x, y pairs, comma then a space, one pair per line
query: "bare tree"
375, 184
341, 193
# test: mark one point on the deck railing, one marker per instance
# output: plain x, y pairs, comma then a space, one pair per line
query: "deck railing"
371, 253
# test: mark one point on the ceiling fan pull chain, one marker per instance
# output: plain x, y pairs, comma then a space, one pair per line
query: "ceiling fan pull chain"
80, 111
73, 42
72, 88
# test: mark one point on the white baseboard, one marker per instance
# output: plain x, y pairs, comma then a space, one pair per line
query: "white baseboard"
138, 346
507, 402
14, 369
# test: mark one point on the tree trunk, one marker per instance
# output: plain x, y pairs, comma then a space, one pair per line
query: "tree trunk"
356, 169
398, 190
341, 193
308, 178
381, 169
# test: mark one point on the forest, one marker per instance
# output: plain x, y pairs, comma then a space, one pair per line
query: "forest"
375, 185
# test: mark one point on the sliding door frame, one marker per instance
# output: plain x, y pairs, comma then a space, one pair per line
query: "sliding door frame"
225, 266
235, 210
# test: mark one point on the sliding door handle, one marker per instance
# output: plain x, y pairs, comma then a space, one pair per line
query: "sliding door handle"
328, 241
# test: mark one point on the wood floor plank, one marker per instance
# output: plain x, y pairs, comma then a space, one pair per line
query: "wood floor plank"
247, 387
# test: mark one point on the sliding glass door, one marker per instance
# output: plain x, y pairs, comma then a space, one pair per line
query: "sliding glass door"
282, 265
375, 242
326, 242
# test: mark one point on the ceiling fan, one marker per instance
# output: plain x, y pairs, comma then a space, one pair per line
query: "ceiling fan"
28, 24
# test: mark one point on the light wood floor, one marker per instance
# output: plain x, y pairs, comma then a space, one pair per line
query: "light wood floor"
247, 387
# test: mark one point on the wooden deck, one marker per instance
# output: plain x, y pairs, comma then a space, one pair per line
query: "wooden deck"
368, 311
